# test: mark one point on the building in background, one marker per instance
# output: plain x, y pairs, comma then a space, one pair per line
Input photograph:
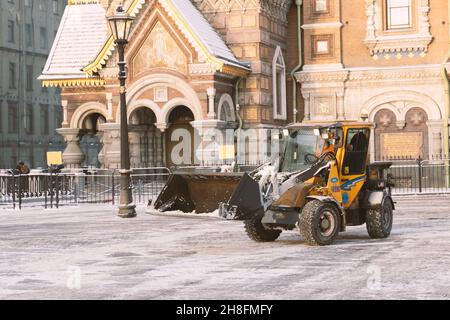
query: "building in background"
193, 65
381, 59
29, 113
200, 64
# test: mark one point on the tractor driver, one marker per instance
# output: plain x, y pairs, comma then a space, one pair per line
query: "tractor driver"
329, 145
357, 150
359, 142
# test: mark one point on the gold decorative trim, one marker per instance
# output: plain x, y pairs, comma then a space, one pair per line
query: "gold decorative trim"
87, 82
101, 58
107, 49
235, 71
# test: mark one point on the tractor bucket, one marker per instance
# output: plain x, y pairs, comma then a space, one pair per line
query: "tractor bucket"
199, 192
245, 201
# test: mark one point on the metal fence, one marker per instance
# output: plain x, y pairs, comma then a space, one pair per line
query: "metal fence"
99, 186
420, 176
91, 186
52, 190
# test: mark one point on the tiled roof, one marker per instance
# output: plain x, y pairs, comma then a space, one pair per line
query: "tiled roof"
82, 32
207, 34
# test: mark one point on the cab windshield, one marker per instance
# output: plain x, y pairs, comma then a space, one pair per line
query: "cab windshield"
306, 145
302, 145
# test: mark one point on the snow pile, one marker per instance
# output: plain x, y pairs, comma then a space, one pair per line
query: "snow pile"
179, 213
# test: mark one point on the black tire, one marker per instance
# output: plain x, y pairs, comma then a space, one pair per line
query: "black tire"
379, 221
319, 223
257, 232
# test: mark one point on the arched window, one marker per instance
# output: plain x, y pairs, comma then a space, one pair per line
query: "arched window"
279, 85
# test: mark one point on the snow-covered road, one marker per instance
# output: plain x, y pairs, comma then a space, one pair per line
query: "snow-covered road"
87, 252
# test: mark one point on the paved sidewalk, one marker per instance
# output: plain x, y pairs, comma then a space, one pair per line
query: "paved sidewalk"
87, 252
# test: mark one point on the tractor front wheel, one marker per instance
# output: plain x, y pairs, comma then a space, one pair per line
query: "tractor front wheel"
379, 221
319, 223
258, 232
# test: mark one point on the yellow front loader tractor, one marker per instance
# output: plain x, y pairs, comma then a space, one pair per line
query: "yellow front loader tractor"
322, 183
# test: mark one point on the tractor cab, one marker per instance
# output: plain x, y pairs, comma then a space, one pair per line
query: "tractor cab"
307, 143
345, 144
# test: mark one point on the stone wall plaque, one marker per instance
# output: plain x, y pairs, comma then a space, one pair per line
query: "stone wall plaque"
402, 145
161, 94
323, 105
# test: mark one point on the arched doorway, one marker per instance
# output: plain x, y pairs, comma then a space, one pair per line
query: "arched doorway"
145, 139
180, 138
91, 140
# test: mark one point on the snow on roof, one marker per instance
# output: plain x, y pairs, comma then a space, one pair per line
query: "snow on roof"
203, 29
82, 32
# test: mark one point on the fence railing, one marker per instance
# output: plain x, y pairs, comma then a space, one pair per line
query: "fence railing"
420, 176
52, 190
101, 186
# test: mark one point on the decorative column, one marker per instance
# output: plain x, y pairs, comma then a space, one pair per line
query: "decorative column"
159, 136
306, 98
211, 102
340, 106
135, 133
73, 156
160, 142
65, 122
162, 126
111, 145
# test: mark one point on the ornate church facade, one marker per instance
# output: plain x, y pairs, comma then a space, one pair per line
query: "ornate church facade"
227, 65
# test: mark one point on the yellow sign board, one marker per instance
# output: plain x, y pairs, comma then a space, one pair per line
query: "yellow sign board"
226, 152
54, 158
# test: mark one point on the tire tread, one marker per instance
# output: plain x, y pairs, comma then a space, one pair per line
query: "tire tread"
306, 223
374, 223
256, 231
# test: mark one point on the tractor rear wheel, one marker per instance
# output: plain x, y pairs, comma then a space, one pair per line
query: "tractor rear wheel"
319, 223
379, 221
258, 232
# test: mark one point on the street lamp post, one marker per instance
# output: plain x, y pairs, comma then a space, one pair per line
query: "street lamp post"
120, 25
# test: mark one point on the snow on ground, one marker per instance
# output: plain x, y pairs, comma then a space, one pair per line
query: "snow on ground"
88, 252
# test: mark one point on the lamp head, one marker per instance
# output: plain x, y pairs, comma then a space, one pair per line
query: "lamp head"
120, 25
